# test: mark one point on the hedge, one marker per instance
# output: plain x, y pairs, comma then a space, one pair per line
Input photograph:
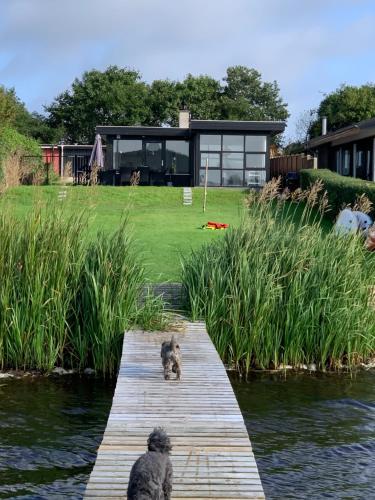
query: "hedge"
341, 190
14, 143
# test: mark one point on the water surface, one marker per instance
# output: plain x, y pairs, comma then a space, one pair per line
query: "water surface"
313, 436
49, 433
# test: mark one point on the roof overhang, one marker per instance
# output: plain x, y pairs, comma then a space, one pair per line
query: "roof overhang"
142, 131
239, 126
360, 130
271, 127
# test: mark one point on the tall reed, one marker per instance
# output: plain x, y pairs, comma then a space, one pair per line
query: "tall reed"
65, 301
275, 291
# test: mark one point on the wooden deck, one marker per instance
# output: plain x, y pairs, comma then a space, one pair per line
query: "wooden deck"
212, 455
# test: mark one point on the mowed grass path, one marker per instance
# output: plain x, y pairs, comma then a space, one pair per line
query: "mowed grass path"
163, 228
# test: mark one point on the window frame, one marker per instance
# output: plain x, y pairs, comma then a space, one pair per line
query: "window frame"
223, 151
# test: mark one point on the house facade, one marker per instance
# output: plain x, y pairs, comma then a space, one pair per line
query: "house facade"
237, 153
68, 159
349, 151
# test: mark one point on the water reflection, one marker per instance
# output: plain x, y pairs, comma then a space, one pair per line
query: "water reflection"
313, 436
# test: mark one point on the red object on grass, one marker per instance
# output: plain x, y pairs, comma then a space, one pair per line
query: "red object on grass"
217, 225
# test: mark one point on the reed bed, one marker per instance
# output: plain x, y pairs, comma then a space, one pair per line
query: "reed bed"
276, 292
65, 301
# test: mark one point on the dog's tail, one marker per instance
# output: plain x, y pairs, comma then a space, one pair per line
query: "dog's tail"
159, 441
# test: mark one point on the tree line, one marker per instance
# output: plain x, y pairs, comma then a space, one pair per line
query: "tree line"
119, 96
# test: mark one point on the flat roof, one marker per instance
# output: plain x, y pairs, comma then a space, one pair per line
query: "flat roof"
261, 126
138, 130
359, 130
225, 125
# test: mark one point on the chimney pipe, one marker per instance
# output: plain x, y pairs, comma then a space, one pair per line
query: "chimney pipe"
324, 125
184, 118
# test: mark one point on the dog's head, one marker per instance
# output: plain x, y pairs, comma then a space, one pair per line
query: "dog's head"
159, 441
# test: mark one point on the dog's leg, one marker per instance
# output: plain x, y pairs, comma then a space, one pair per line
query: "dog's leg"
167, 485
167, 370
178, 371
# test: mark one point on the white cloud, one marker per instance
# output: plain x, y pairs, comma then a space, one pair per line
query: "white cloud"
306, 46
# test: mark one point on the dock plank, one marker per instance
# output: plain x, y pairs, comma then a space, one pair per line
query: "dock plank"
212, 456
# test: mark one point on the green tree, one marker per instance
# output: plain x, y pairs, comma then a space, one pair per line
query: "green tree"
13, 113
164, 103
201, 95
10, 106
114, 97
246, 97
38, 127
346, 105
119, 97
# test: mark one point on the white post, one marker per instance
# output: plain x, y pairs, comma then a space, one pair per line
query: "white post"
205, 186
354, 160
373, 159
62, 161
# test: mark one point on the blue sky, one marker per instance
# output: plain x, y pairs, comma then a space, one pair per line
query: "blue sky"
309, 46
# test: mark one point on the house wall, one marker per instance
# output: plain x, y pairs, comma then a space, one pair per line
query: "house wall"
245, 166
352, 159
51, 156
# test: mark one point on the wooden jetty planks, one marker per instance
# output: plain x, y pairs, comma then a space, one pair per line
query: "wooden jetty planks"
212, 456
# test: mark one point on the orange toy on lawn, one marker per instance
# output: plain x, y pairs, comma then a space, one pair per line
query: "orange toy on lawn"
215, 225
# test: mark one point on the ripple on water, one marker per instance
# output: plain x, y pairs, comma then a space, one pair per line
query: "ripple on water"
313, 436
49, 433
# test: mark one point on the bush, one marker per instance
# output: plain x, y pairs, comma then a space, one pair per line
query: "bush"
64, 301
20, 159
341, 190
274, 291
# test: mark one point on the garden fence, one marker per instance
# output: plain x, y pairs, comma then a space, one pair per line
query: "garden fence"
283, 165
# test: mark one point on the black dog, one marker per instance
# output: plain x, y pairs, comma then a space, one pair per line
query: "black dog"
151, 475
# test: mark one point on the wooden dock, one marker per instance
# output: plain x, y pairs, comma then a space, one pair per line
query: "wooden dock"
212, 455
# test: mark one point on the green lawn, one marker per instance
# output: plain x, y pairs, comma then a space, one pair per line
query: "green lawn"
163, 228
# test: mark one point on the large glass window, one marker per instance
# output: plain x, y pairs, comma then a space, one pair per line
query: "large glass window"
233, 142
154, 156
254, 160
210, 142
213, 178
232, 177
338, 160
256, 143
127, 153
237, 159
177, 157
255, 178
233, 160
346, 162
213, 160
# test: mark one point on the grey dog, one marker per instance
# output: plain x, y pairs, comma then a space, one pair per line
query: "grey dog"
151, 475
171, 358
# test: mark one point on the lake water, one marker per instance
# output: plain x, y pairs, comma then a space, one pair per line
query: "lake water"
313, 436
49, 433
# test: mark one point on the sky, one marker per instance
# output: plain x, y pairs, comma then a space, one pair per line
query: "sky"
310, 47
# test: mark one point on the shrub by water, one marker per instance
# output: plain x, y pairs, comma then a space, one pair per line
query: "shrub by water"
279, 292
65, 301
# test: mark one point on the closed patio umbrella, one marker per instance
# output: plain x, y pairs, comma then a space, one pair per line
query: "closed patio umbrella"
97, 157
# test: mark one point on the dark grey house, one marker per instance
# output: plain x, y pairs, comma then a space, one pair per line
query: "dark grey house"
348, 151
237, 152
